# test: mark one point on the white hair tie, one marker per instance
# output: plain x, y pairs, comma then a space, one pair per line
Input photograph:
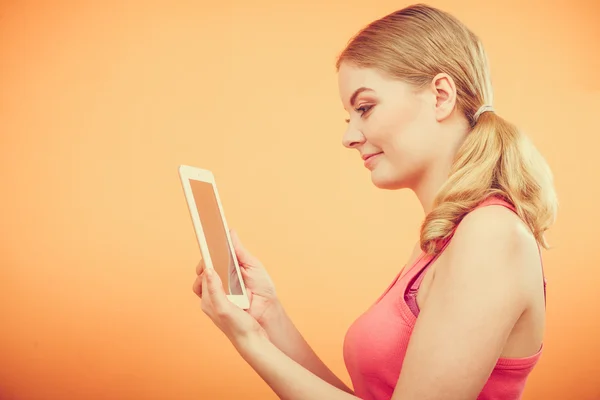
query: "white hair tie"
481, 110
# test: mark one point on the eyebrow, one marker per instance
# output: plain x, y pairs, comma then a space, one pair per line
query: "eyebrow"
355, 95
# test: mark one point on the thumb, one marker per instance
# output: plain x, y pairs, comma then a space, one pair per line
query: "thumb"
243, 255
214, 288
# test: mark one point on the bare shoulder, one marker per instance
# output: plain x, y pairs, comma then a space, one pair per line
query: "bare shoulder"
493, 230
493, 243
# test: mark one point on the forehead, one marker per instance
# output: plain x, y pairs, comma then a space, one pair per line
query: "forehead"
351, 78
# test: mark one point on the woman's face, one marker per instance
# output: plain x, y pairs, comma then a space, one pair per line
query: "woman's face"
394, 126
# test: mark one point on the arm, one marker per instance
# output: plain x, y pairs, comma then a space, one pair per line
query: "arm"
475, 299
286, 337
269, 313
288, 379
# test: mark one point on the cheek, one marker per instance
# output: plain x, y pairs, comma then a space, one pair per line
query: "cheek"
384, 128
412, 142
409, 146
400, 135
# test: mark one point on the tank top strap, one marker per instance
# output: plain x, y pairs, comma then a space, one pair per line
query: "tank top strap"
497, 201
418, 272
413, 273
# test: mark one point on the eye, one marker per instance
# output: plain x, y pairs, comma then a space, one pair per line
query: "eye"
363, 109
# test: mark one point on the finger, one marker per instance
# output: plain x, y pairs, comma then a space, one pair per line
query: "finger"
250, 295
213, 288
244, 257
197, 286
207, 306
200, 266
246, 274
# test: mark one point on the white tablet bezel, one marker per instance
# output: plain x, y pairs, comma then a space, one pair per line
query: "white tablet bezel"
187, 173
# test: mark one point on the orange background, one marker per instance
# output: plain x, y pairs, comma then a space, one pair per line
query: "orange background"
99, 104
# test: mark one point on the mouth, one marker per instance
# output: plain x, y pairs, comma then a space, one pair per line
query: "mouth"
367, 156
370, 159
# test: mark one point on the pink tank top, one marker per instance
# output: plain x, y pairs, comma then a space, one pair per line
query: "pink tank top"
375, 344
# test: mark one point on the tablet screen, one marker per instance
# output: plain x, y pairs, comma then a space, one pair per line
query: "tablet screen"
216, 238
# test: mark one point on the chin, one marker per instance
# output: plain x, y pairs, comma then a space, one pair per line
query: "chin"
386, 181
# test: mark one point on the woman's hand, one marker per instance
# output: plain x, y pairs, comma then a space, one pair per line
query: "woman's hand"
238, 325
264, 303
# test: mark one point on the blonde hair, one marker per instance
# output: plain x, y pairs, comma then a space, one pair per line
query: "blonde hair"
416, 43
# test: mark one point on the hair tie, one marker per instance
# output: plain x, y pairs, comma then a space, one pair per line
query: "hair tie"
481, 110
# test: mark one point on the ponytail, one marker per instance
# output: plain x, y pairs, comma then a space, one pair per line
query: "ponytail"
496, 159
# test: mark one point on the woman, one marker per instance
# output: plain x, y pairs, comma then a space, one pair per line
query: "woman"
465, 318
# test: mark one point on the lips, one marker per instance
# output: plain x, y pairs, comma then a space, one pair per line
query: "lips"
371, 159
367, 156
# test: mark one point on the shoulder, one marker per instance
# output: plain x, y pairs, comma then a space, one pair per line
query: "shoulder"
493, 244
493, 230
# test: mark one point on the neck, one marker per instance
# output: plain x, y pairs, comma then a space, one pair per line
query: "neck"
431, 181
428, 187
429, 184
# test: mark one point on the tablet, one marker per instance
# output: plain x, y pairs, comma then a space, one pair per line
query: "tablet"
212, 232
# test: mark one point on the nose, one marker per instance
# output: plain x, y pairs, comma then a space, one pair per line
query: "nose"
352, 137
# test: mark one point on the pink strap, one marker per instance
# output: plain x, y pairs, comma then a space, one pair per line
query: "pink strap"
413, 288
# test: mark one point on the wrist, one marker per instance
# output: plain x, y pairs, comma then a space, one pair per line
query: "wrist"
252, 345
273, 316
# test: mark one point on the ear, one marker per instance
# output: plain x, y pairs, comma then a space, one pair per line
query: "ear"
444, 89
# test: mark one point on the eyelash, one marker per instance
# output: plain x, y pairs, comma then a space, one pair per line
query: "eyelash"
363, 110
